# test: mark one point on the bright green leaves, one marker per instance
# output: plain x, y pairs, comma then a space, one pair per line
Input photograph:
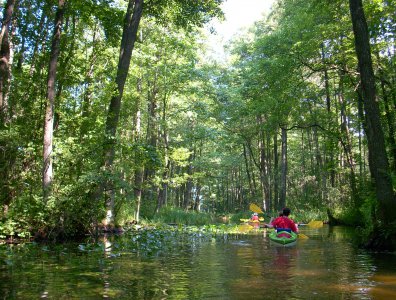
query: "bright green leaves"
183, 13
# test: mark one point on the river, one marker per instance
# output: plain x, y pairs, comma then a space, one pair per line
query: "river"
244, 266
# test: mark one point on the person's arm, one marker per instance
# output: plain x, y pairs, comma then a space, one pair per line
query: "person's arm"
294, 226
274, 223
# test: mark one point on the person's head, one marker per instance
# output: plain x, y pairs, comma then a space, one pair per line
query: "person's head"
255, 214
286, 211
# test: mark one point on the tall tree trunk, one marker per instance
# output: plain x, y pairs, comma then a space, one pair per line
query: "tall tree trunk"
276, 172
326, 81
131, 24
269, 173
252, 163
361, 125
88, 92
139, 167
7, 157
389, 114
283, 183
152, 135
5, 68
347, 144
50, 105
163, 190
320, 173
378, 161
197, 200
188, 188
189, 182
247, 170
263, 167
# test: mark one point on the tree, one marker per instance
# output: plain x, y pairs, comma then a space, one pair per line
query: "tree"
131, 24
5, 67
50, 104
378, 161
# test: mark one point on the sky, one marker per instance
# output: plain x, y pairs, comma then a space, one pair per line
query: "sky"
238, 14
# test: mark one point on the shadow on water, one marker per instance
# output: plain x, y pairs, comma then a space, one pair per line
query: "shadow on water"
161, 265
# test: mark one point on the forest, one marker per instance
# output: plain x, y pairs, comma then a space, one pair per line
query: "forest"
113, 111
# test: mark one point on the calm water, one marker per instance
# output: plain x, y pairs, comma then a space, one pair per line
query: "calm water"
325, 266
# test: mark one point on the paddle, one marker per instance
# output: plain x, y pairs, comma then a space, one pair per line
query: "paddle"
254, 208
302, 236
315, 224
312, 224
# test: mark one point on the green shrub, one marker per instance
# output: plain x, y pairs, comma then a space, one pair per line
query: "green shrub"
171, 215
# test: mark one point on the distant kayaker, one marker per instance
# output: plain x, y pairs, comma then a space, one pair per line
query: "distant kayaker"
255, 217
283, 223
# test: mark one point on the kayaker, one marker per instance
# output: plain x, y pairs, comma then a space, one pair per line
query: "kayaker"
283, 223
255, 217
255, 221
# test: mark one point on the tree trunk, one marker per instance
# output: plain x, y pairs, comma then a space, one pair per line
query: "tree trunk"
378, 161
50, 105
163, 190
276, 172
88, 92
283, 183
197, 200
152, 121
263, 167
326, 81
347, 144
189, 183
389, 114
7, 158
5, 68
247, 170
131, 24
139, 167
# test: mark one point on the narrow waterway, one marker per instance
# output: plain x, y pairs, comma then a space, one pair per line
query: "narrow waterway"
325, 266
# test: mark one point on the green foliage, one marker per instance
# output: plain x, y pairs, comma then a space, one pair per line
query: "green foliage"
125, 212
350, 216
305, 216
185, 14
169, 215
235, 218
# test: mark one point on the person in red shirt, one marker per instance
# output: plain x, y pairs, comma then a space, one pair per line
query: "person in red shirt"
283, 222
255, 217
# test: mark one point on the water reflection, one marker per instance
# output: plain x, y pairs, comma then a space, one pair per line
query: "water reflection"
325, 266
284, 262
105, 271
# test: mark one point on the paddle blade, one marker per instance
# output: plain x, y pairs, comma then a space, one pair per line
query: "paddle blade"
261, 219
315, 224
254, 208
302, 236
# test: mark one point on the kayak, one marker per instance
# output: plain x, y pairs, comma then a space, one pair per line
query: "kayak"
283, 237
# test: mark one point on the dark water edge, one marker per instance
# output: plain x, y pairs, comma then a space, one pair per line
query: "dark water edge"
174, 265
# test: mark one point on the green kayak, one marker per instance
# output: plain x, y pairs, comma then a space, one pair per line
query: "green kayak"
283, 237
